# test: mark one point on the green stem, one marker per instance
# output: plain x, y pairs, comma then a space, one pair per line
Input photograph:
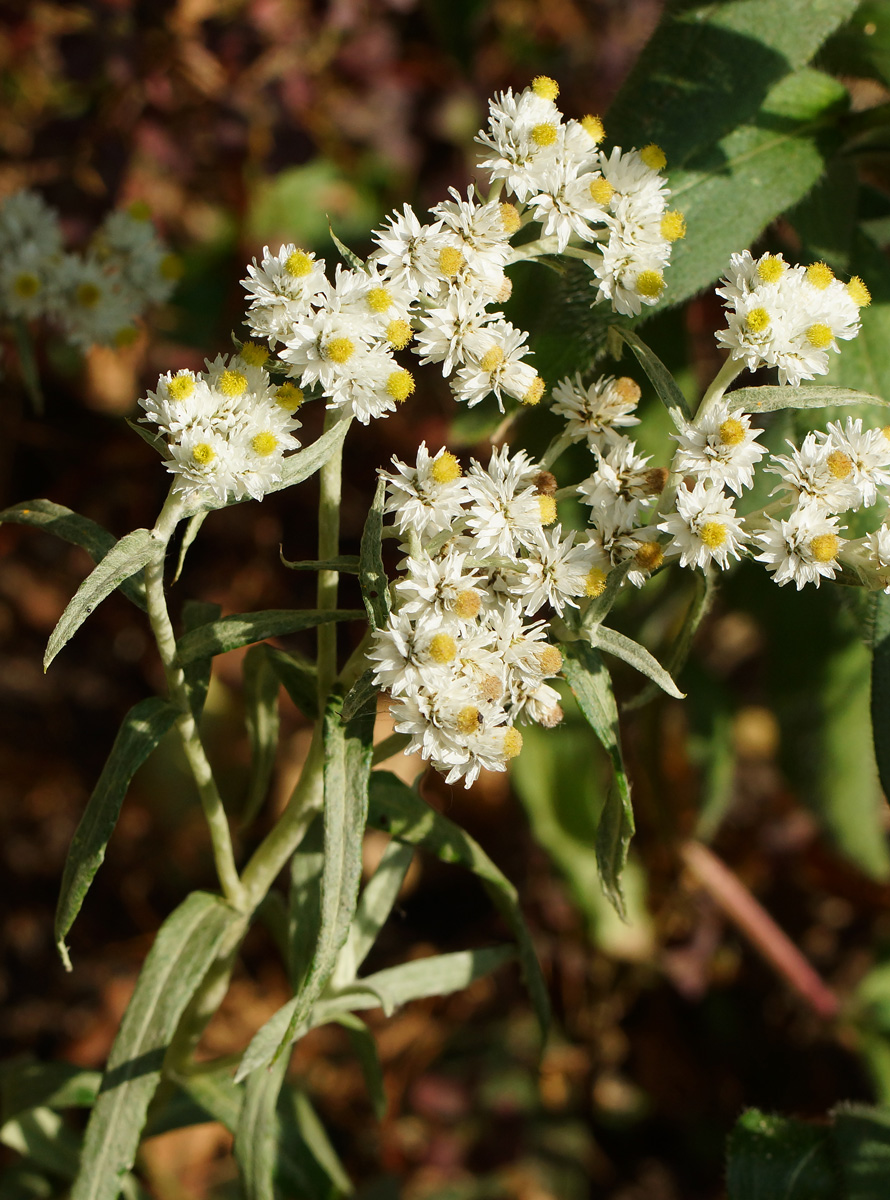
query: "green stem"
731, 368
557, 447
389, 747
330, 486
211, 802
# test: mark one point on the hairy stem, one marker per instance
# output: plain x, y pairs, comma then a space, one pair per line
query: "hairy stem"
731, 368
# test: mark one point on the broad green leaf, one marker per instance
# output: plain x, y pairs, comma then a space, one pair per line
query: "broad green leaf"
399, 811
864, 363
310, 459
241, 629
29, 1084
186, 945
189, 534
660, 378
347, 764
299, 679
364, 1047
861, 1138
197, 673
79, 531
43, 1137
261, 687
372, 576
862, 47
730, 191
775, 1158
771, 399
127, 557
709, 67
826, 219
880, 687
143, 727
346, 562
589, 680
636, 656
258, 1134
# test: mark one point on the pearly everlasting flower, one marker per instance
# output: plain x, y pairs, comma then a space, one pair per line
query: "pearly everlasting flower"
506, 510
804, 548
499, 369
877, 545
455, 332
596, 411
818, 474
428, 497
409, 253
868, 454
720, 448
557, 571
705, 528
622, 483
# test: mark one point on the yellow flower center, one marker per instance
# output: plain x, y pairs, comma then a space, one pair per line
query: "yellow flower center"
180, 387
547, 508
770, 268
26, 285
400, 385
601, 191
713, 534
824, 547
399, 333
653, 156
858, 292
839, 464
649, 556
339, 350
202, 454
289, 396
253, 354
139, 211
757, 320
442, 648
446, 468
469, 720
819, 335
492, 359
732, 432
535, 391
379, 300
550, 660
88, 295
627, 389
545, 87
127, 335
512, 743
594, 127
298, 263
265, 443
466, 605
232, 383
172, 268
820, 275
673, 226
650, 283
544, 134
510, 218
595, 583
451, 260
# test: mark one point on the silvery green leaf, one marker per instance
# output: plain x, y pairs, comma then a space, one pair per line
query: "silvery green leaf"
261, 687
772, 399
240, 629
636, 656
372, 577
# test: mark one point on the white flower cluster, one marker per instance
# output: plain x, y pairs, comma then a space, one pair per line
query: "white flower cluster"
437, 281
787, 316
227, 429
94, 297
461, 655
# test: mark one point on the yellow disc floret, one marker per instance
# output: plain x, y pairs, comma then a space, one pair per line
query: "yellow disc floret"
139, 211
442, 648
379, 300
88, 295
400, 385
172, 268
673, 226
289, 396
627, 389
545, 87
180, 387
451, 260
535, 391
654, 157
547, 509
466, 605
550, 660
649, 556
650, 284
713, 534
26, 285
446, 468
298, 263
202, 454
824, 547
340, 350
469, 720
595, 583
858, 292
544, 134
127, 335
594, 127
820, 275
265, 443
512, 742
819, 335
839, 464
770, 268
399, 333
491, 359
253, 354
732, 432
601, 191
510, 218
232, 383
757, 320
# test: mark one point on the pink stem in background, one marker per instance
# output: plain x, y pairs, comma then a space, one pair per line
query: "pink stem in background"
728, 891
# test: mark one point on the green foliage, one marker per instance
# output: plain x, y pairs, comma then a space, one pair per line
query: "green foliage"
240, 629
772, 399
372, 576
261, 686
659, 376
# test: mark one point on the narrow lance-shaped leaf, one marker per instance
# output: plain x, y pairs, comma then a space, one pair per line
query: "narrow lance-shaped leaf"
377, 899
660, 378
589, 680
772, 399
307, 1146
399, 811
436, 976
186, 945
364, 1047
43, 1137
880, 687
345, 562
261, 686
636, 656
25, 1085
361, 697
143, 727
304, 903
240, 629
126, 558
189, 534
307, 461
79, 531
372, 576
299, 678
257, 1135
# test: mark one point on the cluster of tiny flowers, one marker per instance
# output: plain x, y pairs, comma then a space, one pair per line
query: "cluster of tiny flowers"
227, 429
787, 316
94, 297
438, 283
465, 654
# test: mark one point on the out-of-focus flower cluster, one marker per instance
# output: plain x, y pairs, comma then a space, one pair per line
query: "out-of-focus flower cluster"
94, 297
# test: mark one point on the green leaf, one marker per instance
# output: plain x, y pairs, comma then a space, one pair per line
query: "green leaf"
43, 1137
188, 536
307, 461
309, 1146
399, 811
436, 976
22, 1182
127, 557
240, 629
862, 47
372, 576
155, 440
28, 364
774, 1158
709, 66
861, 1139
258, 1133
364, 1047
636, 656
197, 673
217, 1093
143, 727
347, 764
864, 363
589, 680
79, 531
348, 256
299, 679
771, 399
304, 902
261, 686
361, 697
660, 378
376, 901
30, 1084
186, 945
346, 562
880, 687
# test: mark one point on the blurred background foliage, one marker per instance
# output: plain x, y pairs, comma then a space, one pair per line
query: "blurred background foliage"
246, 123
